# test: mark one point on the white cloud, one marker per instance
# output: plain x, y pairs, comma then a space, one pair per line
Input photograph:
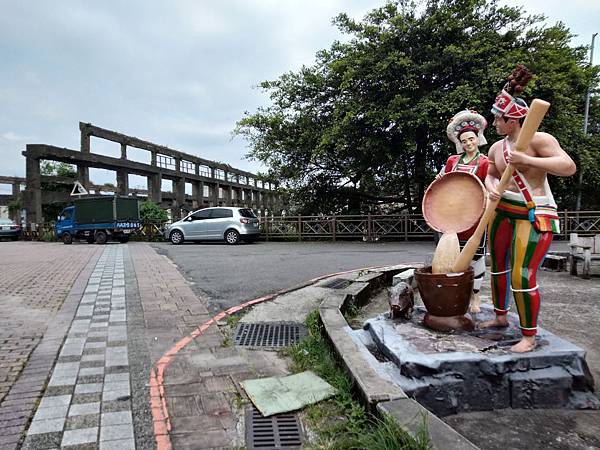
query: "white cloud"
176, 73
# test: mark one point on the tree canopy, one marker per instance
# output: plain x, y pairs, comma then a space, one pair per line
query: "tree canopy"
365, 126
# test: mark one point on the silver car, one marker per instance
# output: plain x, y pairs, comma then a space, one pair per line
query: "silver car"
220, 223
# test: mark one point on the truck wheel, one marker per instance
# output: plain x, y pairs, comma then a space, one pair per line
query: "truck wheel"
67, 238
101, 237
176, 237
232, 237
124, 239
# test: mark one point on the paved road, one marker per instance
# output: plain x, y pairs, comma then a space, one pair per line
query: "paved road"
227, 275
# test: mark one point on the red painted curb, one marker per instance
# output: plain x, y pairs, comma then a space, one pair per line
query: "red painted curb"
158, 401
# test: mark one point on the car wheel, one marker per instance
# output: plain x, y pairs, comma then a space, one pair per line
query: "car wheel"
67, 238
176, 237
232, 237
101, 237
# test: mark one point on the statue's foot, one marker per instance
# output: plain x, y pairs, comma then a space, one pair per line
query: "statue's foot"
475, 305
526, 344
498, 322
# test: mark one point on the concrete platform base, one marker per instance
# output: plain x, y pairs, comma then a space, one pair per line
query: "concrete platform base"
476, 371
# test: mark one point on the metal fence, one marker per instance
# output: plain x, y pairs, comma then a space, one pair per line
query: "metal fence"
403, 227
368, 228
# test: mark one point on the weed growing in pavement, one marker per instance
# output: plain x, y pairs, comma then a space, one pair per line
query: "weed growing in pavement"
229, 329
342, 422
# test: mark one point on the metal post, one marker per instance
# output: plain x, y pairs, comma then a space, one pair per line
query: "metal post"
333, 227
585, 126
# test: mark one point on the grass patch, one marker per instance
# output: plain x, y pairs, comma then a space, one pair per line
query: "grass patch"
342, 422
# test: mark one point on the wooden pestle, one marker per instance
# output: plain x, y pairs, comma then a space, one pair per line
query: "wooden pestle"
534, 117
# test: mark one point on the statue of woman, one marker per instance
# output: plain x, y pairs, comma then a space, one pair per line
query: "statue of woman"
466, 131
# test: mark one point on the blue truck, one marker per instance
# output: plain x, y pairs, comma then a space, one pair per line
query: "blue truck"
98, 219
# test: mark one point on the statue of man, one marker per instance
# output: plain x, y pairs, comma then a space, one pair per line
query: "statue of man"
526, 216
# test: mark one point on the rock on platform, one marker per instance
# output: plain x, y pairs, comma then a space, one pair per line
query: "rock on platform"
476, 371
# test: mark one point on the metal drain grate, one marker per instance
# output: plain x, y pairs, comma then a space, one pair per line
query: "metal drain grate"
336, 283
268, 334
280, 431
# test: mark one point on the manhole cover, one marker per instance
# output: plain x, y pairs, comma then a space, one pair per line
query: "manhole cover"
336, 283
268, 334
273, 432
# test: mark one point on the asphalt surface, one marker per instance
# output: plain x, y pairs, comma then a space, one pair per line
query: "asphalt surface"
227, 275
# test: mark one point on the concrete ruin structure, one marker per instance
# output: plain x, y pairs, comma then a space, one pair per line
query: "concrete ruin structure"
212, 183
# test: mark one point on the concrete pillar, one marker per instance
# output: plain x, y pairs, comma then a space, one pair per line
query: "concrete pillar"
215, 195
179, 191
122, 182
16, 189
155, 188
153, 159
123, 151
33, 197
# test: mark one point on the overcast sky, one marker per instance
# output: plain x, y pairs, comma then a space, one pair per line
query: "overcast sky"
177, 73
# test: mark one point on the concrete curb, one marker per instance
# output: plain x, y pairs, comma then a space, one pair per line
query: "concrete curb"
380, 395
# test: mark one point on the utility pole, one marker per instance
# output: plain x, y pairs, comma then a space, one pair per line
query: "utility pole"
585, 125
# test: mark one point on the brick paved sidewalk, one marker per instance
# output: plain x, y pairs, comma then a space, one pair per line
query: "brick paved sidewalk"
35, 278
39, 286
87, 400
200, 382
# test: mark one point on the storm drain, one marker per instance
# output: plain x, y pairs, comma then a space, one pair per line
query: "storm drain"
268, 334
273, 432
336, 283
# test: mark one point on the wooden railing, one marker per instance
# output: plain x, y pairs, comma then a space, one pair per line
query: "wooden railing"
368, 228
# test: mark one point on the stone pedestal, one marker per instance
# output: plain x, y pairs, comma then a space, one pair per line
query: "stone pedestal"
476, 371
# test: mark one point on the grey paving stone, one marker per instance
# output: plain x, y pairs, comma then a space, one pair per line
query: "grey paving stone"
116, 385
95, 345
45, 441
116, 418
121, 444
115, 406
66, 369
53, 412
115, 394
113, 377
59, 390
46, 426
58, 400
88, 388
87, 371
84, 408
93, 357
62, 381
116, 432
87, 421
81, 436
86, 398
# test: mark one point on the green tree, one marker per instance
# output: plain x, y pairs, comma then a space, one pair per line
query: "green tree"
59, 169
151, 212
365, 125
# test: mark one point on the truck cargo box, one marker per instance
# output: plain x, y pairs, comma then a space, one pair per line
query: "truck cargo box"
105, 208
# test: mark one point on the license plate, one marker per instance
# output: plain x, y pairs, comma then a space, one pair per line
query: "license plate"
126, 231
6, 228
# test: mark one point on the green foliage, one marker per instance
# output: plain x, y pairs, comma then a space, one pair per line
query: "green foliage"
366, 124
151, 212
58, 169
342, 422
14, 208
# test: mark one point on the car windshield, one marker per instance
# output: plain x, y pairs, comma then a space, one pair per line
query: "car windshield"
247, 213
